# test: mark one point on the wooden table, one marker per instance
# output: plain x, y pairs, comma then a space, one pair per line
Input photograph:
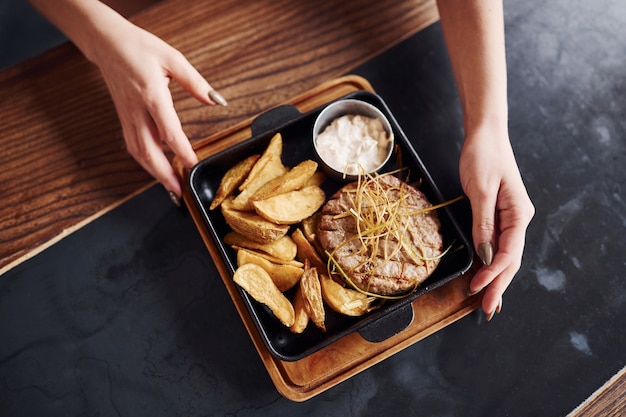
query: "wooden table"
63, 157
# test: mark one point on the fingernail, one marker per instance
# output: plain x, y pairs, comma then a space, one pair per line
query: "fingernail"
218, 98
471, 293
175, 199
495, 310
485, 253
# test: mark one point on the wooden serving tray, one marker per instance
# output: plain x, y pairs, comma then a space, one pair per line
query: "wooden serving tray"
302, 379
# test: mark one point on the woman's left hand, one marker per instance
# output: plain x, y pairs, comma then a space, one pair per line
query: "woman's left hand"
501, 212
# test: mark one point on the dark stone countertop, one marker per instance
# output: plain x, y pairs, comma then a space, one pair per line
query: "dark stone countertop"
128, 316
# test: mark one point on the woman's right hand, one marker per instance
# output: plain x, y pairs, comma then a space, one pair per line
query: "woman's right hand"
137, 67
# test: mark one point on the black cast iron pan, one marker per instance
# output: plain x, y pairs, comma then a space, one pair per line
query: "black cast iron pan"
296, 130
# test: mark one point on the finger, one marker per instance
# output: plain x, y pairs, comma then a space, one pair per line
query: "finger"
493, 295
181, 70
498, 276
143, 144
484, 225
485, 275
163, 114
510, 248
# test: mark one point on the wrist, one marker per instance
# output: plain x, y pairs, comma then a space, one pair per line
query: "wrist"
102, 25
493, 125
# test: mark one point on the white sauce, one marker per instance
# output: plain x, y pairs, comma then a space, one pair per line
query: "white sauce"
353, 144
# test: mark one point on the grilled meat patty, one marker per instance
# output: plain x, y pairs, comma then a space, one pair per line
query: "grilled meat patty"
390, 249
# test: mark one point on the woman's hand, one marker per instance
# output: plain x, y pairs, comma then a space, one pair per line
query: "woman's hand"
137, 67
501, 209
501, 212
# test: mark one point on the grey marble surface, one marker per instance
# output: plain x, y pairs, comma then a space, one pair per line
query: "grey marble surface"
128, 316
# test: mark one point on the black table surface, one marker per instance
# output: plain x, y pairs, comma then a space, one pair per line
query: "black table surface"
128, 316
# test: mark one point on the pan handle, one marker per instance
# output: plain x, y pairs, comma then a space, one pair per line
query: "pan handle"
388, 325
274, 118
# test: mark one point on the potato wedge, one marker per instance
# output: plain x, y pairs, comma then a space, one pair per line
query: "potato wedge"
283, 248
312, 296
272, 168
251, 225
275, 146
283, 276
317, 179
302, 318
307, 251
291, 207
292, 180
257, 282
232, 179
309, 227
292, 262
274, 151
344, 300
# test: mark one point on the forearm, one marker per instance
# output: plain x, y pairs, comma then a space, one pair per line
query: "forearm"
87, 23
474, 33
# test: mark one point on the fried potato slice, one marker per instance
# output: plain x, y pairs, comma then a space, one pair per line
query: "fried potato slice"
274, 151
257, 282
283, 276
302, 318
275, 146
232, 179
307, 251
309, 227
312, 296
291, 207
283, 248
292, 262
317, 178
344, 300
292, 180
271, 168
251, 225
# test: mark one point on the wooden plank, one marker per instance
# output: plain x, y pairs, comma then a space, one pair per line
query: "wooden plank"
608, 401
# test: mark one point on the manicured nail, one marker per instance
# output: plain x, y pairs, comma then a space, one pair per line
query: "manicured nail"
174, 198
218, 98
495, 311
485, 253
471, 293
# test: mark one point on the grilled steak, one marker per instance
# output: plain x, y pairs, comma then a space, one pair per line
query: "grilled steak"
377, 239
